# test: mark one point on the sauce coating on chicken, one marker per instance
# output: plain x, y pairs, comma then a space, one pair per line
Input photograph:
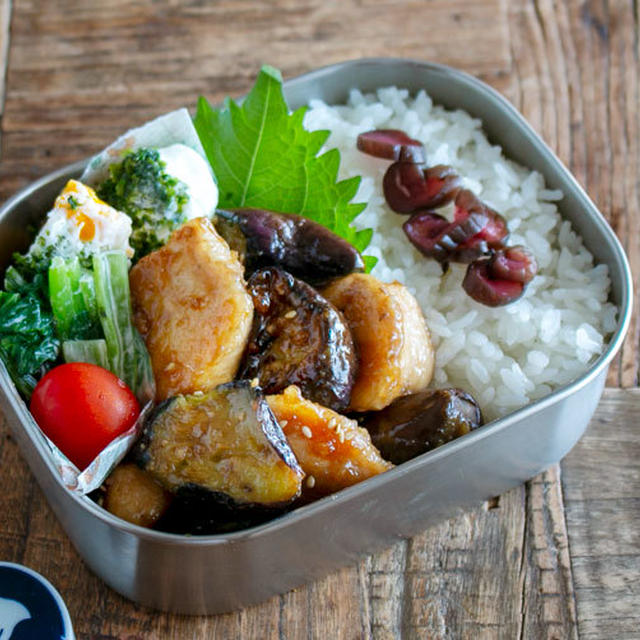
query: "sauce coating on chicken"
192, 309
395, 355
332, 449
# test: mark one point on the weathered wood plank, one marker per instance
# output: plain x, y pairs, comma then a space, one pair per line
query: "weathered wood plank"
455, 570
601, 480
548, 602
605, 37
5, 24
514, 551
623, 106
94, 71
79, 75
386, 592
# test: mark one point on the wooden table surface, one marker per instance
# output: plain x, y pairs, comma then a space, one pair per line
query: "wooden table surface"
557, 558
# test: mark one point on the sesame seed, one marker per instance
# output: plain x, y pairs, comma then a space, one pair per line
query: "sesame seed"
311, 482
290, 392
283, 423
255, 382
290, 314
170, 367
341, 436
198, 393
332, 423
306, 432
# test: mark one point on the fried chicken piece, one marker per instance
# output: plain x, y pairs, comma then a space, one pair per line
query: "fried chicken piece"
392, 340
192, 309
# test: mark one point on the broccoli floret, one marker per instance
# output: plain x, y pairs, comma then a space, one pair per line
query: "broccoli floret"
154, 200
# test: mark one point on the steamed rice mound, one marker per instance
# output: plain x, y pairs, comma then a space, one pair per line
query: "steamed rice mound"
508, 356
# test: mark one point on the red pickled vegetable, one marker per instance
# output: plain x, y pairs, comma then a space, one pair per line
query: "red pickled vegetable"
392, 144
437, 238
424, 230
470, 250
443, 182
408, 187
495, 230
513, 263
483, 288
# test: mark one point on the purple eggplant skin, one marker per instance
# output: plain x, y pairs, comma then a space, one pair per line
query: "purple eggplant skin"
226, 441
422, 421
197, 511
298, 337
302, 247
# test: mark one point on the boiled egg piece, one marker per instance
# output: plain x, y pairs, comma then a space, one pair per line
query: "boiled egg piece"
81, 223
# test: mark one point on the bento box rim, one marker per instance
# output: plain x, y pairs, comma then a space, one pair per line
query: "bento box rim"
345, 495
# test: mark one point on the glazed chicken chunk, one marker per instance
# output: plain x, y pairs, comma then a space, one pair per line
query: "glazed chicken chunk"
192, 309
395, 354
332, 450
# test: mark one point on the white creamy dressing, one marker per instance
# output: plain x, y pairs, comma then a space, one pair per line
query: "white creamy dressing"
192, 169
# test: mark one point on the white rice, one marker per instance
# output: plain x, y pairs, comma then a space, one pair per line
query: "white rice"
508, 356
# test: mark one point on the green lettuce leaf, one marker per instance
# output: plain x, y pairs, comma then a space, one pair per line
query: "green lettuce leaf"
263, 157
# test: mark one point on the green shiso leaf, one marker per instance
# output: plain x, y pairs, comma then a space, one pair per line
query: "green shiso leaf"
263, 157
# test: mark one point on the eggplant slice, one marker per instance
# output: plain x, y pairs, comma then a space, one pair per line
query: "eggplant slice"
196, 511
226, 442
304, 248
422, 421
298, 338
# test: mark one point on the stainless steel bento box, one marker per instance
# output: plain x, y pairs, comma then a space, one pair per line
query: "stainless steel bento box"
211, 574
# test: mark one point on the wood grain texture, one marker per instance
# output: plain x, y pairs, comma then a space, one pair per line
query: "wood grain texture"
125, 62
557, 558
601, 482
5, 22
605, 35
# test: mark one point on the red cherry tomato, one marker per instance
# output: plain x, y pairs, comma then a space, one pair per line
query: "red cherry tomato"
82, 407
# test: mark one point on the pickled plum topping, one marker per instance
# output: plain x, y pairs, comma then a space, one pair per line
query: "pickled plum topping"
501, 278
475, 231
391, 144
409, 187
424, 231
486, 290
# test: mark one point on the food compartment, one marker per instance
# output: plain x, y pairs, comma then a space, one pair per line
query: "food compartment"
217, 573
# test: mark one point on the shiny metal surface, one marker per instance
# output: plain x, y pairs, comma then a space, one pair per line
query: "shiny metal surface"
212, 574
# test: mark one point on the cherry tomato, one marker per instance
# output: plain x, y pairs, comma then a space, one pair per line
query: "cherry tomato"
82, 407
